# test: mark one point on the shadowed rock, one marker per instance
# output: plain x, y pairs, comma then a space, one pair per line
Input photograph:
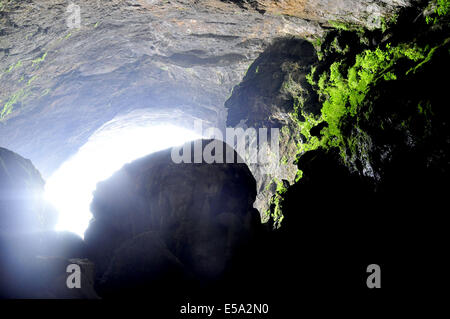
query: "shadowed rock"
202, 212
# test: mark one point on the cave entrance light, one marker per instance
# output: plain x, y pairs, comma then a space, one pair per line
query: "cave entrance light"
71, 186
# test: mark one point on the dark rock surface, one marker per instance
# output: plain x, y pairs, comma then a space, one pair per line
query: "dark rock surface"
260, 98
342, 224
33, 265
197, 215
385, 202
31, 276
144, 265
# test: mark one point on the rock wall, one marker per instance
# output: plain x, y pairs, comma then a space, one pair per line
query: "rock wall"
266, 98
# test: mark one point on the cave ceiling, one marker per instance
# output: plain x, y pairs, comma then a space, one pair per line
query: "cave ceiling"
176, 60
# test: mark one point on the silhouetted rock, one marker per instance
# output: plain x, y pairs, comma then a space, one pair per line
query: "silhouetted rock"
202, 212
143, 264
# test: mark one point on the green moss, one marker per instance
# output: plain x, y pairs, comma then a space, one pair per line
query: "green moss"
342, 25
13, 67
310, 76
281, 189
343, 88
386, 23
14, 99
275, 211
34, 77
424, 108
298, 176
39, 60
441, 10
428, 57
337, 48
269, 185
285, 130
350, 83
318, 42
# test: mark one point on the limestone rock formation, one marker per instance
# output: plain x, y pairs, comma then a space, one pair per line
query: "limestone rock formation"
192, 216
266, 98
179, 60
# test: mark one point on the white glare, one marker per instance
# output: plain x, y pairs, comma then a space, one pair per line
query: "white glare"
70, 188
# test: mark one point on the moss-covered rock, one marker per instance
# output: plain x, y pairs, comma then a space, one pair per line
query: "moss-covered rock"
383, 101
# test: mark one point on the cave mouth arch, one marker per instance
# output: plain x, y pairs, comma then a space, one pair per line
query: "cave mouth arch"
69, 189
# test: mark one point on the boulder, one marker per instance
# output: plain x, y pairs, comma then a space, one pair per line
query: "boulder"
143, 266
202, 213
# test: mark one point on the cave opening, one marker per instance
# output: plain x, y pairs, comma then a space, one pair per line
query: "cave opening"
70, 188
335, 114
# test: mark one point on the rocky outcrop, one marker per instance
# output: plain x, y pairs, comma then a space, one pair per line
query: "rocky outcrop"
191, 217
141, 265
266, 98
378, 196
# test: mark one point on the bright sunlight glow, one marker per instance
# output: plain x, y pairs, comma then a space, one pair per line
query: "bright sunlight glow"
70, 188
